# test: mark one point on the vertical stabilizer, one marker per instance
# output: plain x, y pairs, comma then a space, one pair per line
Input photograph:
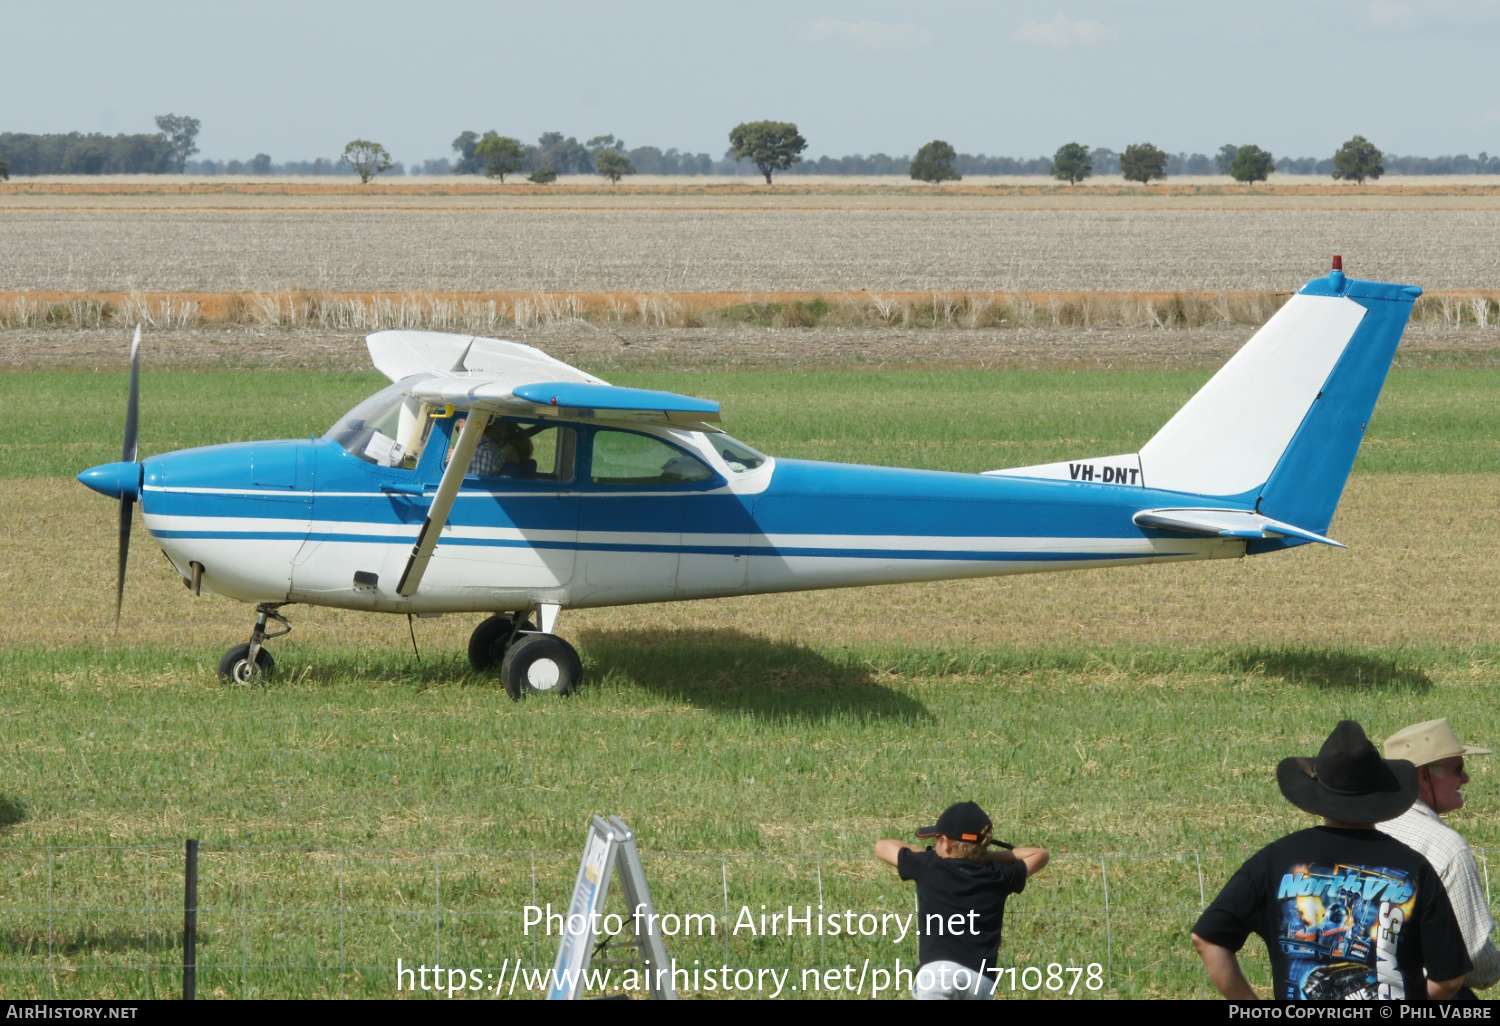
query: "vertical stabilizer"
1280, 423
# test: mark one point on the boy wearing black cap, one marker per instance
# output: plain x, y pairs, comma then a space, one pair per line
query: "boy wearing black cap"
961, 892
1345, 910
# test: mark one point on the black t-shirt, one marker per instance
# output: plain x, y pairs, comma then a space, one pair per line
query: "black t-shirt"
960, 904
1344, 914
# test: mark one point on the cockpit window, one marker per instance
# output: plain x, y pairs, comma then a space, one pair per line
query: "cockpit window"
387, 429
740, 457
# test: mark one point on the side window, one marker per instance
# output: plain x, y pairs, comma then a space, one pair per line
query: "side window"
527, 452
553, 448
626, 458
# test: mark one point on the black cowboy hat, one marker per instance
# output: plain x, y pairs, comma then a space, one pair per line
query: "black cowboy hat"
1349, 781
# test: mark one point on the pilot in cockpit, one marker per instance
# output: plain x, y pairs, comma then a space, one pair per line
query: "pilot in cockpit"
504, 451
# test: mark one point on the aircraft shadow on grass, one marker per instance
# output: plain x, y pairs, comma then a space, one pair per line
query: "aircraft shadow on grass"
733, 671
1333, 669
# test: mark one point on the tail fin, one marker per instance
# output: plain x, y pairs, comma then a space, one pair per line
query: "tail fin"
1280, 423
1278, 426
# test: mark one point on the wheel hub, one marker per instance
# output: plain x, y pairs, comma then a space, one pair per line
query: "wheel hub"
543, 674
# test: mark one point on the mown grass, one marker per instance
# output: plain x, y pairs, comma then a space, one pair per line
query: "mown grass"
705, 745
361, 808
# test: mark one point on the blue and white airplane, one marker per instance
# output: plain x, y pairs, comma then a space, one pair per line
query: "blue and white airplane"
491, 478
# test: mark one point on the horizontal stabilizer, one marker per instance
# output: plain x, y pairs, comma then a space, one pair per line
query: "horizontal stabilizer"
1225, 523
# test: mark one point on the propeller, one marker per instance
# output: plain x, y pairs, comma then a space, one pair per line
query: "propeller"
128, 453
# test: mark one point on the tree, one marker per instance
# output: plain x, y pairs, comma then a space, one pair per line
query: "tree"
1142, 162
367, 158
84, 158
612, 164
543, 176
465, 145
769, 145
501, 155
1225, 158
934, 163
1071, 163
260, 164
1358, 159
565, 156
1251, 164
4, 171
180, 133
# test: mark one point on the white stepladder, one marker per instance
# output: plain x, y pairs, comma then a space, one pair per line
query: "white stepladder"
610, 845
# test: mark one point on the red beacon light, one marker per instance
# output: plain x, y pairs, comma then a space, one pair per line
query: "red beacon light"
1336, 276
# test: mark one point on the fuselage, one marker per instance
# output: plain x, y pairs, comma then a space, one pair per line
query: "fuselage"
296, 521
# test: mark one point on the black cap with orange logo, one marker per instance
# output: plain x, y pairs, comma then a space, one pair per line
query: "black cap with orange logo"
961, 821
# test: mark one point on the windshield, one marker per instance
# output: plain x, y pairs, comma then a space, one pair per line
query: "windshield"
388, 428
740, 457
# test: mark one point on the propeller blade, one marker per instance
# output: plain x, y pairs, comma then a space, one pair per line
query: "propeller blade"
127, 515
132, 404
128, 452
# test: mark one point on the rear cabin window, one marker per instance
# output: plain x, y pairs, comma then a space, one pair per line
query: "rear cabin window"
625, 458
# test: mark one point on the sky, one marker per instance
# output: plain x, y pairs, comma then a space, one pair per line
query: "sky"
299, 80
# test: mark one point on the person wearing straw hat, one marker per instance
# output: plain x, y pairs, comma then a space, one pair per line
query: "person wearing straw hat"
961, 892
1434, 748
1345, 910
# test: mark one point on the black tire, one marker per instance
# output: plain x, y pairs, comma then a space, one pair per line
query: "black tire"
490, 639
540, 664
236, 668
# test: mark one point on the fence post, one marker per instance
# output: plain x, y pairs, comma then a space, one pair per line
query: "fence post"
1109, 936
190, 925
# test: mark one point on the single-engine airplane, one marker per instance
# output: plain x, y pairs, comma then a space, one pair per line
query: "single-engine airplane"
490, 477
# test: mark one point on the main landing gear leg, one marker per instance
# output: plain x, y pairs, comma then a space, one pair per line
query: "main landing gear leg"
251, 663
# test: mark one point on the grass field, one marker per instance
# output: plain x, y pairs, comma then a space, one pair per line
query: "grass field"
1124, 713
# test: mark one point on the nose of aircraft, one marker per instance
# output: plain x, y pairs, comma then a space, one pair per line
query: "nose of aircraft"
117, 480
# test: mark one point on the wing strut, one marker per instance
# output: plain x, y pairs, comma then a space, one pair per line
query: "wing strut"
442, 502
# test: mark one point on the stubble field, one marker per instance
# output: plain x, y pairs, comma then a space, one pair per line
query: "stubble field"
371, 806
738, 250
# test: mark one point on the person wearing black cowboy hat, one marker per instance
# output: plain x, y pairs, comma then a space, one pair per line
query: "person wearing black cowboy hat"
1345, 910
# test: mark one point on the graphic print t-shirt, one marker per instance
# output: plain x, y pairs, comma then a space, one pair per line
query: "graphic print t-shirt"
948, 888
1350, 914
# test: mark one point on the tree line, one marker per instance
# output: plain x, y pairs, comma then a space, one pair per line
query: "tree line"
169, 151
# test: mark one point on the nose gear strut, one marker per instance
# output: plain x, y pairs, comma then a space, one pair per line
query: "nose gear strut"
251, 663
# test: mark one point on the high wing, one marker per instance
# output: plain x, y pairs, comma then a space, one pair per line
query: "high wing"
509, 379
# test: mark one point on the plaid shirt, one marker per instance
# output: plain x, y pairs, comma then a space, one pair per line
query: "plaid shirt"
488, 459
1449, 854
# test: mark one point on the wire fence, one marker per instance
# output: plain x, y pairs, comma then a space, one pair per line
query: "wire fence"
107, 921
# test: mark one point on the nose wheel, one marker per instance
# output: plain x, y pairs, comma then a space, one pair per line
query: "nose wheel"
250, 663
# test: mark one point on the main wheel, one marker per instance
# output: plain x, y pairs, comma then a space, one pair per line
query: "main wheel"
490, 639
236, 667
540, 664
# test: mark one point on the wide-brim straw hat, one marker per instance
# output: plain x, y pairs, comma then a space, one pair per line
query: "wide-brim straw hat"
1424, 743
1349, 781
